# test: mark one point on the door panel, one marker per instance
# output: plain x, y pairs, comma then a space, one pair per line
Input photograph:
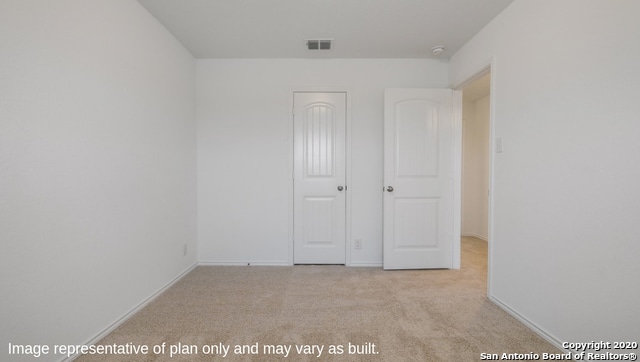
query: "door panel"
319, 171
418, 179
318, 127
318, 220
416, 130
415, 222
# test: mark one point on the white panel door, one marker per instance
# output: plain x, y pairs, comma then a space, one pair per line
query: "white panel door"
418, 179
319, 178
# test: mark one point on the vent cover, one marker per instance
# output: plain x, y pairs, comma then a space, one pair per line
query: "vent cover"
319, 44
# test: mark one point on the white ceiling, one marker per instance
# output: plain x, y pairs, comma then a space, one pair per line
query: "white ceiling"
360, 28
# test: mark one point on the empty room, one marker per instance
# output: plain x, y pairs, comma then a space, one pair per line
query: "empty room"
299, 179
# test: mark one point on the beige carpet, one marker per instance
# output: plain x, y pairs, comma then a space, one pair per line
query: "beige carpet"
419, 315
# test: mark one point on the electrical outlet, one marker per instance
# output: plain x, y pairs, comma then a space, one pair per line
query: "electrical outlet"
184, 250
357, 244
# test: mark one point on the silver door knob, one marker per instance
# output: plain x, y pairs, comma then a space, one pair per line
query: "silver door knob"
340, 188
390, 188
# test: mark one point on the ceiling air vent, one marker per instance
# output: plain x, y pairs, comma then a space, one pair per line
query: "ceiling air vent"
317, 44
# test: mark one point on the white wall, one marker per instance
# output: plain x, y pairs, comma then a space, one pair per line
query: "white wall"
97, 166
475, 168
567, 203
243, 150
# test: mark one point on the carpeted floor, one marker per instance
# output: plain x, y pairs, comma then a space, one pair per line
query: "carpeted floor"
366, 313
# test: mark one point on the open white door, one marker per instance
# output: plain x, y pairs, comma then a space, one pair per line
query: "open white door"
418, 179
319, 230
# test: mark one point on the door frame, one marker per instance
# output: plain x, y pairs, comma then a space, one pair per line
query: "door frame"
484, 67
290, 157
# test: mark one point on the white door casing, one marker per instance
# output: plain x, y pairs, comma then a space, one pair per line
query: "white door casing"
418, 179
319, 234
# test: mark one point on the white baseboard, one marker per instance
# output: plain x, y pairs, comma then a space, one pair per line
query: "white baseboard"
244, 263
276, 263
365, 264
133, 311
539, 331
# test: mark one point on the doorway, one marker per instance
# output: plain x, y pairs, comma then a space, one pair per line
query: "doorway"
476, 162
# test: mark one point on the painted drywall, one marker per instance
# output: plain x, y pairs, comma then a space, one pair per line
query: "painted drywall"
475, 168
244, 175
566, 203
97, 166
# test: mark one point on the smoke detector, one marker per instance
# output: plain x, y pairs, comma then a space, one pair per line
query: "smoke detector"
437, 50
319, 44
